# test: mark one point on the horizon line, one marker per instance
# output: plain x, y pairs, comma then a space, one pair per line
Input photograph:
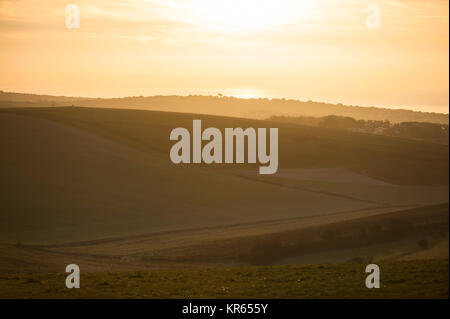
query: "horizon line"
220, 95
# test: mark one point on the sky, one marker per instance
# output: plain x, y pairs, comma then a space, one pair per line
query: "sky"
321, 50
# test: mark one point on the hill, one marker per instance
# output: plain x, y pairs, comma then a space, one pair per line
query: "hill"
431, 132
359, 236
74, 174
228, 106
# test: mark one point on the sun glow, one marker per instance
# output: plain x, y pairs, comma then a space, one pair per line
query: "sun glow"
243, 93
244, 15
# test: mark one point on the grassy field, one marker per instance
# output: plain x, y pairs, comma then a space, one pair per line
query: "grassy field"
359, 236
76, 174
406, 279
95, 187
387, 158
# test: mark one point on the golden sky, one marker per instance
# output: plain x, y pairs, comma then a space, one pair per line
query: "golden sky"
318, 50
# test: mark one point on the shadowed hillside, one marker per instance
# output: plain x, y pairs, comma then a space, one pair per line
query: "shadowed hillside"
72, 174
430, 132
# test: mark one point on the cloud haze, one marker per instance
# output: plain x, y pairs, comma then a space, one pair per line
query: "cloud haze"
318, 49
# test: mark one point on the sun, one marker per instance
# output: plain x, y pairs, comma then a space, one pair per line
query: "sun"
247, 15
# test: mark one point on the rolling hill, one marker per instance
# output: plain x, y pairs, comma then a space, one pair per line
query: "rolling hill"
77, 174
255, 108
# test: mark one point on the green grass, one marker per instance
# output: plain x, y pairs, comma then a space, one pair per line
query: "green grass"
412, 279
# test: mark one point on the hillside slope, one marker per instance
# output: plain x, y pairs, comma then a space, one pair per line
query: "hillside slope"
261, 108
74, 174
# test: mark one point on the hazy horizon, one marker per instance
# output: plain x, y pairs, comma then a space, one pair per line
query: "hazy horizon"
247, 94
318, 50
